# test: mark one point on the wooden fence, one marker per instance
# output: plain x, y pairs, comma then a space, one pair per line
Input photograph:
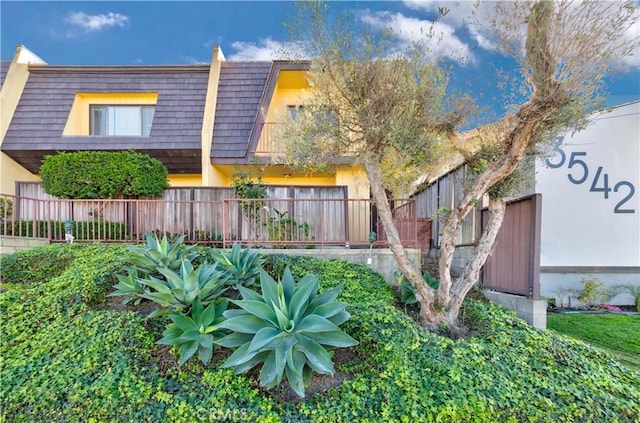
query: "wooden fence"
514, 265
443, 195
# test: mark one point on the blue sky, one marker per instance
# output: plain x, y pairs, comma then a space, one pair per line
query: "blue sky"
157, 32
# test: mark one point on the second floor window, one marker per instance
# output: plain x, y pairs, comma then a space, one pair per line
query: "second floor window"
121, 120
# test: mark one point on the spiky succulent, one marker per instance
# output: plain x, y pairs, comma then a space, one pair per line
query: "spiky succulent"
196, 331
288, 328
180, 290
242, 265
155, 255
129, 287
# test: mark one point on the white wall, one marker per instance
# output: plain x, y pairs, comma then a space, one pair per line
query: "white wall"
580, 227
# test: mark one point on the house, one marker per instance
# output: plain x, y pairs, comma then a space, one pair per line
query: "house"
201, 121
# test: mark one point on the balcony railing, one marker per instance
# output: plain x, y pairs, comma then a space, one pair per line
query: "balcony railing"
260, 222
268, 144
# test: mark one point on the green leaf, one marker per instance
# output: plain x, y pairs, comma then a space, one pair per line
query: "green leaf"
243, 324
300, 299
258, 309
188, 350
339, 318
326, 297
315, 323
183, 322
234, 340
239, 356
263, 337
269, 288
334, 339
248, 294
268, 373
317, 357
329, 309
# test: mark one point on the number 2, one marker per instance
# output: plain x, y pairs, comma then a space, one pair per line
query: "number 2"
632, 190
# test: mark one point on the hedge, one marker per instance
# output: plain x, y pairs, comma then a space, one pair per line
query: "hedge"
67, 354
81, 230
103, 174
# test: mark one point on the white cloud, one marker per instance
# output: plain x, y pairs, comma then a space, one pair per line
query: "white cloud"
193, 60
267, 49
475, 17
96, 22
410, 30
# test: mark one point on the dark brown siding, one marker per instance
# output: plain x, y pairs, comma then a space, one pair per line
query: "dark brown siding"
514, 265
240, 92
175, 139
4, 68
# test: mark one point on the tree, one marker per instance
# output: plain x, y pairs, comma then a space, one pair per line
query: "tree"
394, 115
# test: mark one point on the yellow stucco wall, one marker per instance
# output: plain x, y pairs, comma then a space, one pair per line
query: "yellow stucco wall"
78, 122
292, 89
210, 175
10, 94
188, 180
11, 172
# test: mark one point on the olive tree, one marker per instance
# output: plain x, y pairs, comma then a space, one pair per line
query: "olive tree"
394, 115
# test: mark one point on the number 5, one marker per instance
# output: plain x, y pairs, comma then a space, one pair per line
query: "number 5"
574, 161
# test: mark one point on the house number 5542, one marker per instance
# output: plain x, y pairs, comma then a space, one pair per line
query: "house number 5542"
579, 173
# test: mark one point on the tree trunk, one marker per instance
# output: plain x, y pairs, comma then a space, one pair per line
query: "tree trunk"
471, 274
424, 294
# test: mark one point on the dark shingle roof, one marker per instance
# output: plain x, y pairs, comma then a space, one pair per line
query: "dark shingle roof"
4, 68
240, 92
175, 139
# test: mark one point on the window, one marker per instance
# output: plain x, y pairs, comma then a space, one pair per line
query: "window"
294, 110
121, 120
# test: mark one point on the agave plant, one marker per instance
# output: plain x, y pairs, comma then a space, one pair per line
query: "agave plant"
129, 287
156, 255
195, 332
180, 290
407, 291
242, 266
288, 328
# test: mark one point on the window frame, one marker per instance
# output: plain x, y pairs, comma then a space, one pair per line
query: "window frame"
105, 124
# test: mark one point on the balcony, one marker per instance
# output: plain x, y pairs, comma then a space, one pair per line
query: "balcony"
268, 144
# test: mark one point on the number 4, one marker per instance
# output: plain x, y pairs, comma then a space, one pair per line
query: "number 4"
605, 188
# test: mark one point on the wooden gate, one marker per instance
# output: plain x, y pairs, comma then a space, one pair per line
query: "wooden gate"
514, 265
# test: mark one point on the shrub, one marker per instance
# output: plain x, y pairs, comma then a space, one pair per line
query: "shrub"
82, 230
633, 290
288, 329
591, 292
102, 174
6, 208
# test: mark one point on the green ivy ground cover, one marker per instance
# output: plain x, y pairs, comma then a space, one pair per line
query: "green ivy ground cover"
65, 355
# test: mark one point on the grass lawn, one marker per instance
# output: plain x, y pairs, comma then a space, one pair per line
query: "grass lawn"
618, 334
